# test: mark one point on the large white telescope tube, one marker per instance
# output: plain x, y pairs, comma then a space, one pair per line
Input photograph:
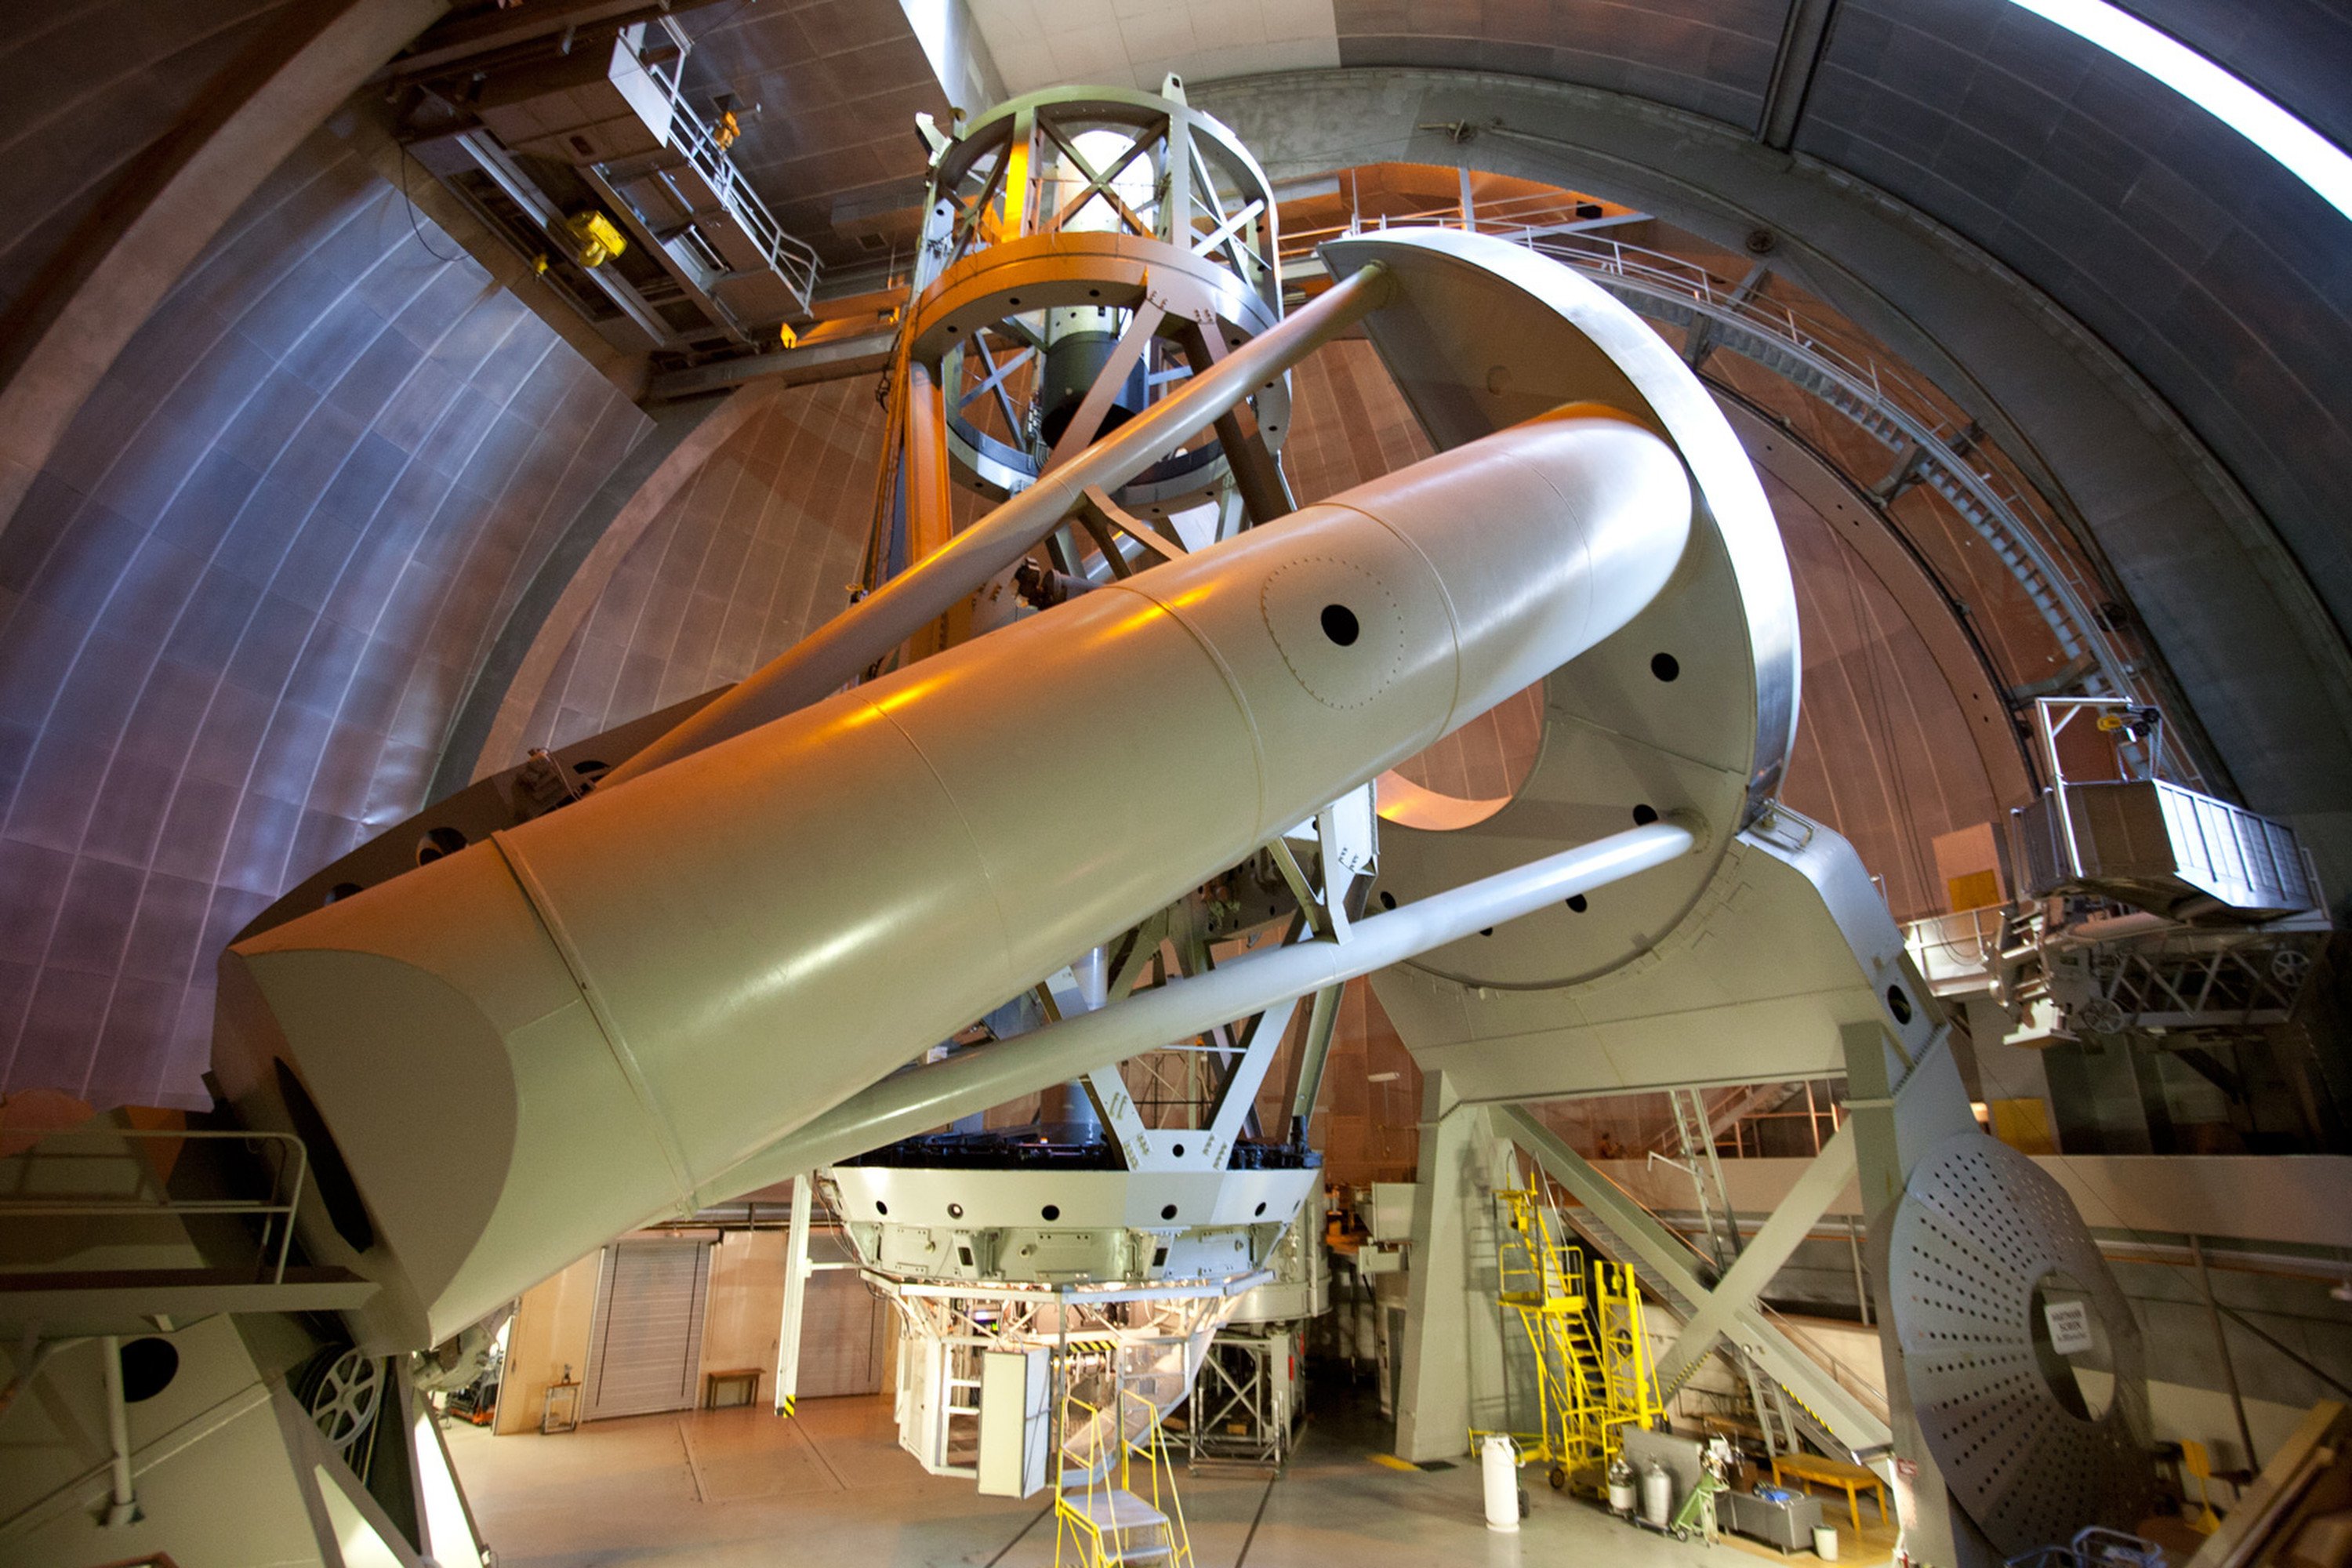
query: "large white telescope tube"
629, 995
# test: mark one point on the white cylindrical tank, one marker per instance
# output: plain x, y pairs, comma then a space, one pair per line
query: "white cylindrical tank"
631, 995
1657, 1493
1624, 1495
1498, 1469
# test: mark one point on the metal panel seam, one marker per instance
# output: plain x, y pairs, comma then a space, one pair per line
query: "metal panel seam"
979, 856
542, 906
1232, 689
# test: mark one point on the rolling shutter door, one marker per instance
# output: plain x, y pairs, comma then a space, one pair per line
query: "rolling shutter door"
645, 1348
844, 1336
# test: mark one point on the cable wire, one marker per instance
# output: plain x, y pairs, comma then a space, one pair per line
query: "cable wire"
407, 158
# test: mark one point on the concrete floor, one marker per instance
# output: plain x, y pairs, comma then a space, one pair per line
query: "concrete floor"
831, 1486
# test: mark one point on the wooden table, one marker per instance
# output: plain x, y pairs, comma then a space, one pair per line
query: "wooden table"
747, 1378
1850, 1478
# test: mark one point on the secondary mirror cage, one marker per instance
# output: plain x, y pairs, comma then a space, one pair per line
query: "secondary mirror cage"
1085, 252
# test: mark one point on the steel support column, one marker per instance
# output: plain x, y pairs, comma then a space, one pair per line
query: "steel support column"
1453, 1346
796, 1273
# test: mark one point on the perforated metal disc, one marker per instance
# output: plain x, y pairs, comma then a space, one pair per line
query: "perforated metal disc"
1979, 1227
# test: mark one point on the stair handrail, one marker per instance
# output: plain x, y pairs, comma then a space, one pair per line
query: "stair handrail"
1154, 1446
277, 1211
1871, 1399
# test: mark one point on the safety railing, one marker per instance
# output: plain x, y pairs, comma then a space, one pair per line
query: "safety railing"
1870, 1397
1958, 954
790, 259
1100, 1514
35, 1187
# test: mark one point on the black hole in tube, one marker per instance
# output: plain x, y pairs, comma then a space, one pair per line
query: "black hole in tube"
1339, 624
1015, 300
1644, 814
148, 1367
1094, 293
1577, 901
881, 1208
1180, 1151
1388, 899
1898, 1004
1665, 666
438, 842
1260, 1209
1487, 931
1168, 1211
1051, 1211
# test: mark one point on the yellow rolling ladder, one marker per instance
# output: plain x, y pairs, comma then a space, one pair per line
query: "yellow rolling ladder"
1584, 1329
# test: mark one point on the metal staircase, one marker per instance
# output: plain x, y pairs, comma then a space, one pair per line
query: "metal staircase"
1105, 1513
1583, 1328
1781, 1414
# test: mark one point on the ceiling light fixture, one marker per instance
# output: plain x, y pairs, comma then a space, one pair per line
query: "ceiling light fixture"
2302, 151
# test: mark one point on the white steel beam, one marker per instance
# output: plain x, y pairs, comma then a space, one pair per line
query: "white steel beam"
796, 1273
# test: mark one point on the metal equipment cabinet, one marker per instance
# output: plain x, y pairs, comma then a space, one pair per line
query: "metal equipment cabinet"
1787, 1523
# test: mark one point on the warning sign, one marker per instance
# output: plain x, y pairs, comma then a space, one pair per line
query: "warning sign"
2069, 1326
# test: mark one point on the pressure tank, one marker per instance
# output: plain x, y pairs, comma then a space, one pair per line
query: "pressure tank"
1498, 1469
634, 994
1657, 1493
1624, 1496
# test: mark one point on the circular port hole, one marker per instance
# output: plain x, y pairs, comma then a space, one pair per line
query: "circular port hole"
148, 1367
1644, 814
1260, 1209
1665, 666
1168, 1211
1579, 902
1898, 1004
438, 842
1340, 626
1388, 899
1051, 1211
955, 1211
1180, 1151
881, 1208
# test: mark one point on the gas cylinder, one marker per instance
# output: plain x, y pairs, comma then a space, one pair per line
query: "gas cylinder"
1658, 1494
1498, 1469
1624, 1495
